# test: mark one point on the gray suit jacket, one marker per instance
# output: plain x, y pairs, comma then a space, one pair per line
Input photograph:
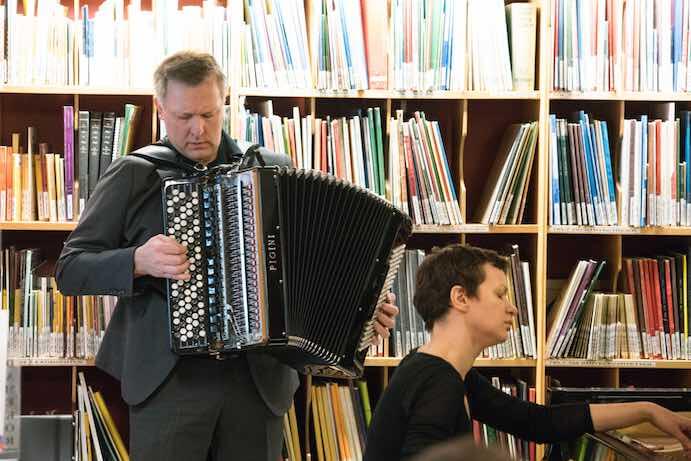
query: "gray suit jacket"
124, 211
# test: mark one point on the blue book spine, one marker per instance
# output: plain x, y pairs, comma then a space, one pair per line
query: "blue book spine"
346, 45
608, 165
585, 133
442, 151
283, 35
554, 172
677, 43
446, 47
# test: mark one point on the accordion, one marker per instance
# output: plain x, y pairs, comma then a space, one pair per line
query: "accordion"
292, 261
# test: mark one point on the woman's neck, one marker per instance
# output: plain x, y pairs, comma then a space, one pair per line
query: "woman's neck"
454, 346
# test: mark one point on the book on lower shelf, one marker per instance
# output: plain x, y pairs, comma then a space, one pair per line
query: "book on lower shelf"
339, 414
96, 436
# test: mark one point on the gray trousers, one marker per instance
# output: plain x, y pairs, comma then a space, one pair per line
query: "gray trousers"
206, 409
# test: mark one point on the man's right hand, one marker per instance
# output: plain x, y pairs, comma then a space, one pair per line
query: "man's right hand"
162, 257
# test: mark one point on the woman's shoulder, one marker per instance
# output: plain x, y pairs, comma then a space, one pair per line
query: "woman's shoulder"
419, 366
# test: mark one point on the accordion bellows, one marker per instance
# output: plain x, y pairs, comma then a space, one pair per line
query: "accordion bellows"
292, 261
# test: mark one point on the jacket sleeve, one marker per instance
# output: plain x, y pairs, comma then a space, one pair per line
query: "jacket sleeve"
92, 262
529, 421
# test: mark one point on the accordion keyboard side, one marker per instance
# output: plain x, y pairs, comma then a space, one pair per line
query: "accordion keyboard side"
187, 300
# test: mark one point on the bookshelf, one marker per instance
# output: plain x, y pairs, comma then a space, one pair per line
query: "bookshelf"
472, 124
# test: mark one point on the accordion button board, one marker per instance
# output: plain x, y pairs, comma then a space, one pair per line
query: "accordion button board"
187, 297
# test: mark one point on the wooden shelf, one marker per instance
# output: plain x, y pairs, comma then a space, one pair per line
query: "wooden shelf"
49, 362
619, 96
475, 229
37, 226
619, 363
394, 361
619, 230
95, 90
385, 94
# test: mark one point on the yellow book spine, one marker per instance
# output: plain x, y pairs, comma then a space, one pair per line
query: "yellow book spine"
122, 450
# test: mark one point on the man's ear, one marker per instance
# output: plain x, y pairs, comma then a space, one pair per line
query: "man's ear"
159, 108
458, 298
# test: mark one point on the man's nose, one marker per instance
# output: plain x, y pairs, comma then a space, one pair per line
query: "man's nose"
198, 126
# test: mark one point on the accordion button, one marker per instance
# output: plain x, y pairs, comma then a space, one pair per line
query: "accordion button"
171, 231
195, 201
176, 321
195, 323
202, 333
183, 338
182, 195
176, 227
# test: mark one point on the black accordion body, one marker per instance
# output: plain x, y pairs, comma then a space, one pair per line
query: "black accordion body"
292, 261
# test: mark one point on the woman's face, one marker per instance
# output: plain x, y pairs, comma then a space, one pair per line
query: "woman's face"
491, 313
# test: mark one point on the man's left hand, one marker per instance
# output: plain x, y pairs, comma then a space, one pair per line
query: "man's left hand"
386, 318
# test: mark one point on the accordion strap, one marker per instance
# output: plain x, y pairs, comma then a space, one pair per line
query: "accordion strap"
165, 160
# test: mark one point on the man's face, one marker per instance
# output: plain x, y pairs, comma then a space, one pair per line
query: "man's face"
193, 116
491, 313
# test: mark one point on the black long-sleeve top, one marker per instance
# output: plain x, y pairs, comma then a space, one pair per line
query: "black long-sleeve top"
424, 404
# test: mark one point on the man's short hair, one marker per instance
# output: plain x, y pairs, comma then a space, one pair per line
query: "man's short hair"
188, 67
448, 266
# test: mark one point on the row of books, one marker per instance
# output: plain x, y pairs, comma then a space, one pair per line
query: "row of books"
44, 323
650, 321
409, 330
521, 342
338, 43
621, 45
440, 45
659, 288
421, 183
36, 184
487, 436
654, 175
44, 46
468, 45
419, 177
607, 329
505, 193
350, 148
96, 435
340, 414
581, 176
274, 45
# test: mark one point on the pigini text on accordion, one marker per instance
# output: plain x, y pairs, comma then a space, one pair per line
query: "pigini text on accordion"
293, 261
